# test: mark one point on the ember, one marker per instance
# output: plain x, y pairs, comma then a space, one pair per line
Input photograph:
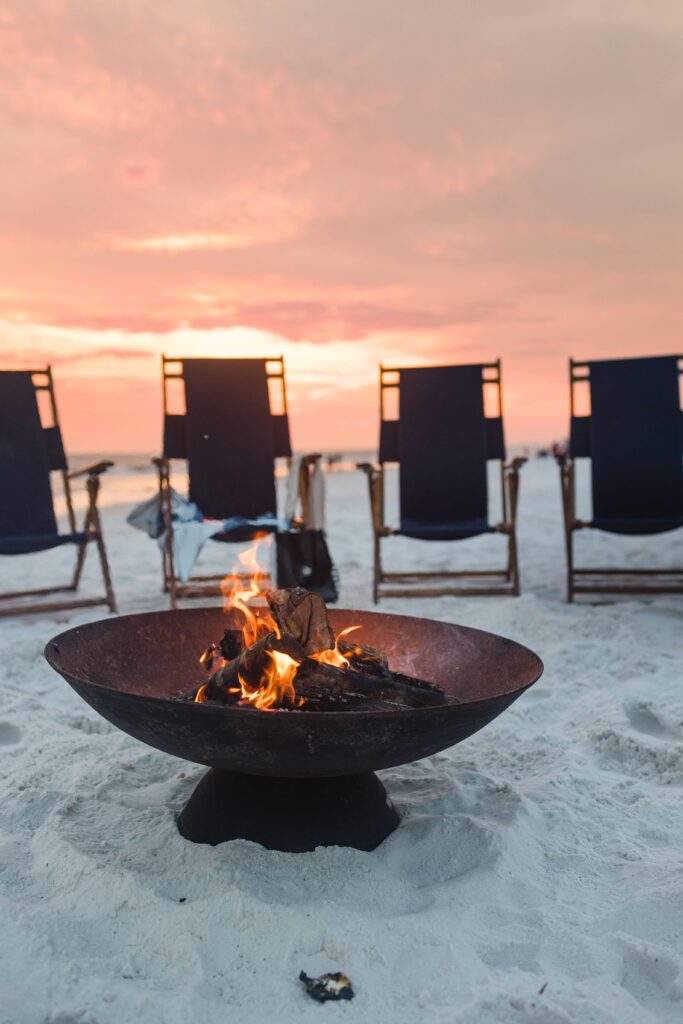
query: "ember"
287, 657
327, 986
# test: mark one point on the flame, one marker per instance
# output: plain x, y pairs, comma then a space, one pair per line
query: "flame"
241, 588
275, 688
334, 656
212, 659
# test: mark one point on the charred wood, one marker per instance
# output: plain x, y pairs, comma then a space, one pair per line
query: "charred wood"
393, 688
251, 665
304, 616
232, 644
365, 659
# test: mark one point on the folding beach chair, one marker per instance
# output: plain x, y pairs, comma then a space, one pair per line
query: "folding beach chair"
230, 439
442, 441
29, 452
634, 439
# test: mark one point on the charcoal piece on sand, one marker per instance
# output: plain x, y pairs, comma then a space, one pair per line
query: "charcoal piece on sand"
327, 986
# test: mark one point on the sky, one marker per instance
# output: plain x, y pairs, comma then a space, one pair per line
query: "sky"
341, 182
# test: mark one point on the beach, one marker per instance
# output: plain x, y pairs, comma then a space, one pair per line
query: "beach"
536, 876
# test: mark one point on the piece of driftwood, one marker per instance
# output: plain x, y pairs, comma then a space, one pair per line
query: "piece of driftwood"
304, 616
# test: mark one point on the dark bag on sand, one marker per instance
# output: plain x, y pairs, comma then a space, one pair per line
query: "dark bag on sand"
303, 560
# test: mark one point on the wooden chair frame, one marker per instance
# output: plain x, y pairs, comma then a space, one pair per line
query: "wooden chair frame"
92, 527
210, 585
502, 581
601, 579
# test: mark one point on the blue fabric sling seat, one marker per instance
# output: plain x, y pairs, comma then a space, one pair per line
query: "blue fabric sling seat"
442, 441
634, 438
230, 440
28, 452
26, 545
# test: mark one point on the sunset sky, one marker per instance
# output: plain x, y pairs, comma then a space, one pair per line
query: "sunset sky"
343, 182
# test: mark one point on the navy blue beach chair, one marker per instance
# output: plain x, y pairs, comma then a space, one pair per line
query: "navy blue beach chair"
442, 442
29, 454
633, 436
229, 438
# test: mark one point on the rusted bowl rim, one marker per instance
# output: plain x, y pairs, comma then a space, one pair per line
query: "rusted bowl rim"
280, 714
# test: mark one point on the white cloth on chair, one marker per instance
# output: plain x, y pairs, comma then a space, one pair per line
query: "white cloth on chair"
190, 530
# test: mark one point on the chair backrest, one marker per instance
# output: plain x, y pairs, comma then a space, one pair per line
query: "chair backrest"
28, 452
227, 433
442, 440
634, 438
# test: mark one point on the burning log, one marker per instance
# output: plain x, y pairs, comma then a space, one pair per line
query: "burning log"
316, 679
232, 644
246, 671
299, 664
366, 659
304, 616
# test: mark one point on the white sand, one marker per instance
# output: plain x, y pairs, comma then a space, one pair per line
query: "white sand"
545, 853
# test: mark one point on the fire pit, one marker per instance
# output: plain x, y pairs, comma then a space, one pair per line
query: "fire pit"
290, 780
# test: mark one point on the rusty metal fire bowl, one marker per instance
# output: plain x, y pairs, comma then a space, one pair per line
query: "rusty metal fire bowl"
289, 780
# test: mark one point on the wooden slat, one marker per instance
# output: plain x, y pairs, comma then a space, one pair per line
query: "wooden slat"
451, 591
57, 606
628, 572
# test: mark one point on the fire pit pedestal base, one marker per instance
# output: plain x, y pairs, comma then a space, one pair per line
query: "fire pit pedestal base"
293, 815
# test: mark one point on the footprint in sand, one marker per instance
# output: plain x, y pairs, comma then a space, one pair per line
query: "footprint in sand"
9, 734
644, 719
654, 979
654, 761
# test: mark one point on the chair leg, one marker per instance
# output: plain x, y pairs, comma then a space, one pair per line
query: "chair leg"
170, 579
83, 548
78, 569
168, 558
514, 562
513, 500
93, 519
377, 567
106, 574
567, 485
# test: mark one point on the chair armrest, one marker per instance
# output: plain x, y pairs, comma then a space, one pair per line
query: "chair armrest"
372, 472
94, 470
161, 462
516, 464
310, 458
